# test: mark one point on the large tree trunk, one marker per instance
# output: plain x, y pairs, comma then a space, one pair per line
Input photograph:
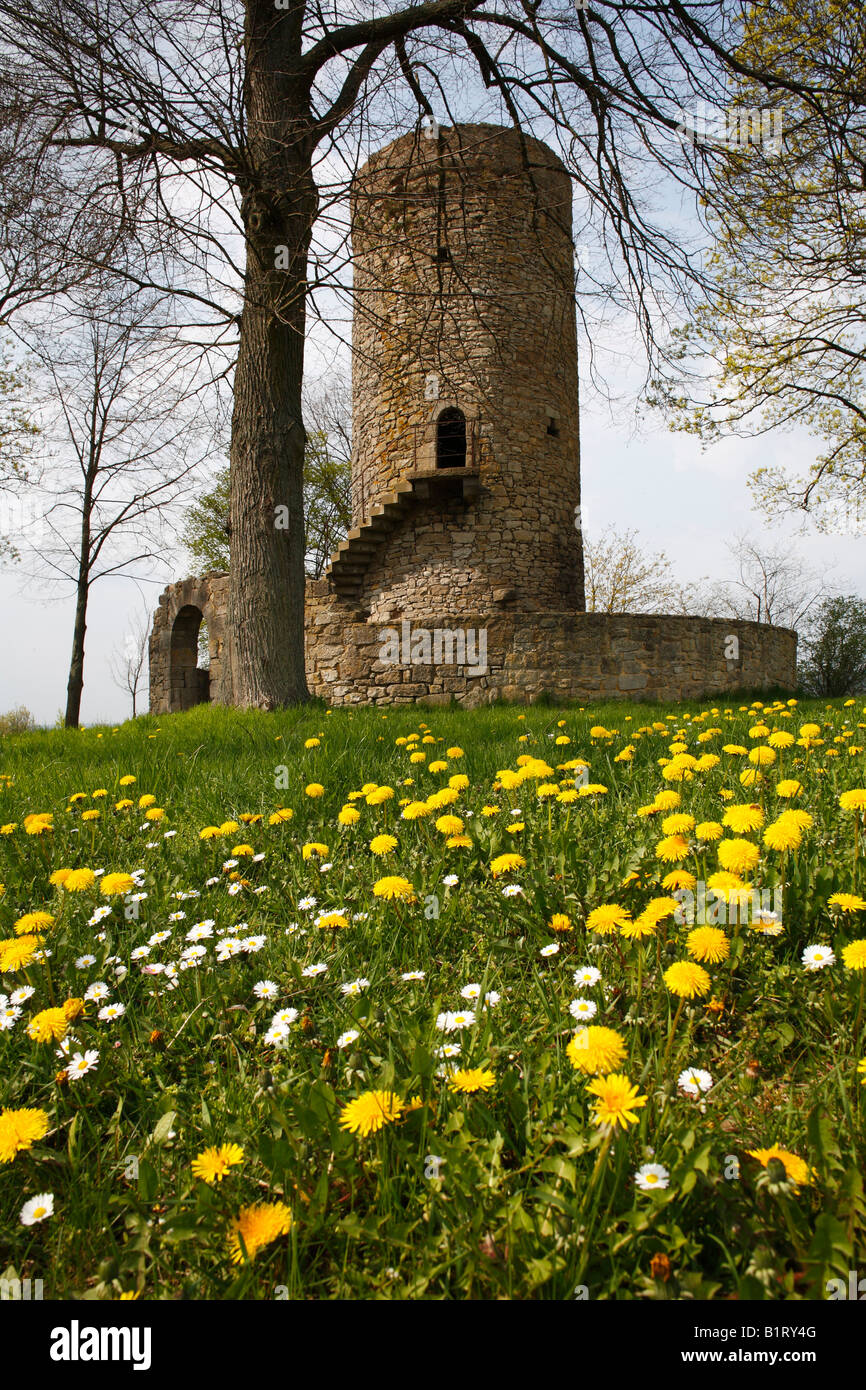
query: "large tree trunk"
267, 450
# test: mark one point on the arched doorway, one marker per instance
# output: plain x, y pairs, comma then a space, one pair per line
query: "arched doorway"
189, 679
451, 439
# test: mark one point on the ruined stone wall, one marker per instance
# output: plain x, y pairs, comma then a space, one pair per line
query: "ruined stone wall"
175, 682
464, 271
566, 655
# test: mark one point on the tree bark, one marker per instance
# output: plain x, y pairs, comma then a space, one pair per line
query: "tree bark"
266, 602
75, 684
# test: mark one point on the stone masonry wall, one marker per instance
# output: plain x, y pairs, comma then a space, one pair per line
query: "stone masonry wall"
568, 656
464, 270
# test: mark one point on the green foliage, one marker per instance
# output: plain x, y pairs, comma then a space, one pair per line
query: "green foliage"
778, 337
833, 650
327, 511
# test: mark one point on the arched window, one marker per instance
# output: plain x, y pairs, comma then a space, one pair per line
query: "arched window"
189, 682
451, 439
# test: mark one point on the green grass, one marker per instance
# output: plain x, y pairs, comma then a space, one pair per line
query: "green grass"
532, 1199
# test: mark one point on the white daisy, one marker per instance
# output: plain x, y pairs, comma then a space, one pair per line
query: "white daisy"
450, 1022
355, 986
650, 1176
139, 953
277, 1036
346, 1039
413, 975
470, 991
551, 950
284, 1018
234, 889
230, 864
448, 1050
98, 990
587, 975
21, 995
450, 880
227, 949
81, 1063
158, 938
265, 989
309, 971
177, 917
694, 1081
818, 957
37, 1209
111, 1012
583, 1009
84, 962
307, 904
511, 890
9, 1015
251, 944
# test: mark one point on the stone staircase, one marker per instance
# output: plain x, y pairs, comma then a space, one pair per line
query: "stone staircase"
352, 557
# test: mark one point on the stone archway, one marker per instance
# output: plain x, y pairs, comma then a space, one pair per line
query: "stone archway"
189, 684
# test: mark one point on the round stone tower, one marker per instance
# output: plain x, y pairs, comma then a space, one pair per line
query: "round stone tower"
466, 463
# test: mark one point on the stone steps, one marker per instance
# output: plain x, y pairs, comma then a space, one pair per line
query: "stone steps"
353, 556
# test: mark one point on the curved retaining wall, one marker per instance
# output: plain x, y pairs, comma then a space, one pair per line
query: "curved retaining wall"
506, 655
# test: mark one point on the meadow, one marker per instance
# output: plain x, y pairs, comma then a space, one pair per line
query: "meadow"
540, 1003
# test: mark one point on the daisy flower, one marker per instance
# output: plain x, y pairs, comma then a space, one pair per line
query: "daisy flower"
346, 1039
111, 1012
817, 957
37, 1209
583, 1009
694, 1081
588, 975
353, 987
81, 1063
449, 1022
265, 989
650, 1176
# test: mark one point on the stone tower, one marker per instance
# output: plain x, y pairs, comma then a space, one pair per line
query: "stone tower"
466, 468
465, 386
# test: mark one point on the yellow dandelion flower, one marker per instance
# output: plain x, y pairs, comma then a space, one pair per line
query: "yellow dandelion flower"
468, 1080
854, 955
686, 979
708, 944
738, 856
370, 1112
606, 919
392, 887
847, 902
17, 953
214, 1163
257, 1226
594, 1050
33, 922
116, 885
796, 1169
19, 1130
51, 1025
616, 1100
506, 864
78, 880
